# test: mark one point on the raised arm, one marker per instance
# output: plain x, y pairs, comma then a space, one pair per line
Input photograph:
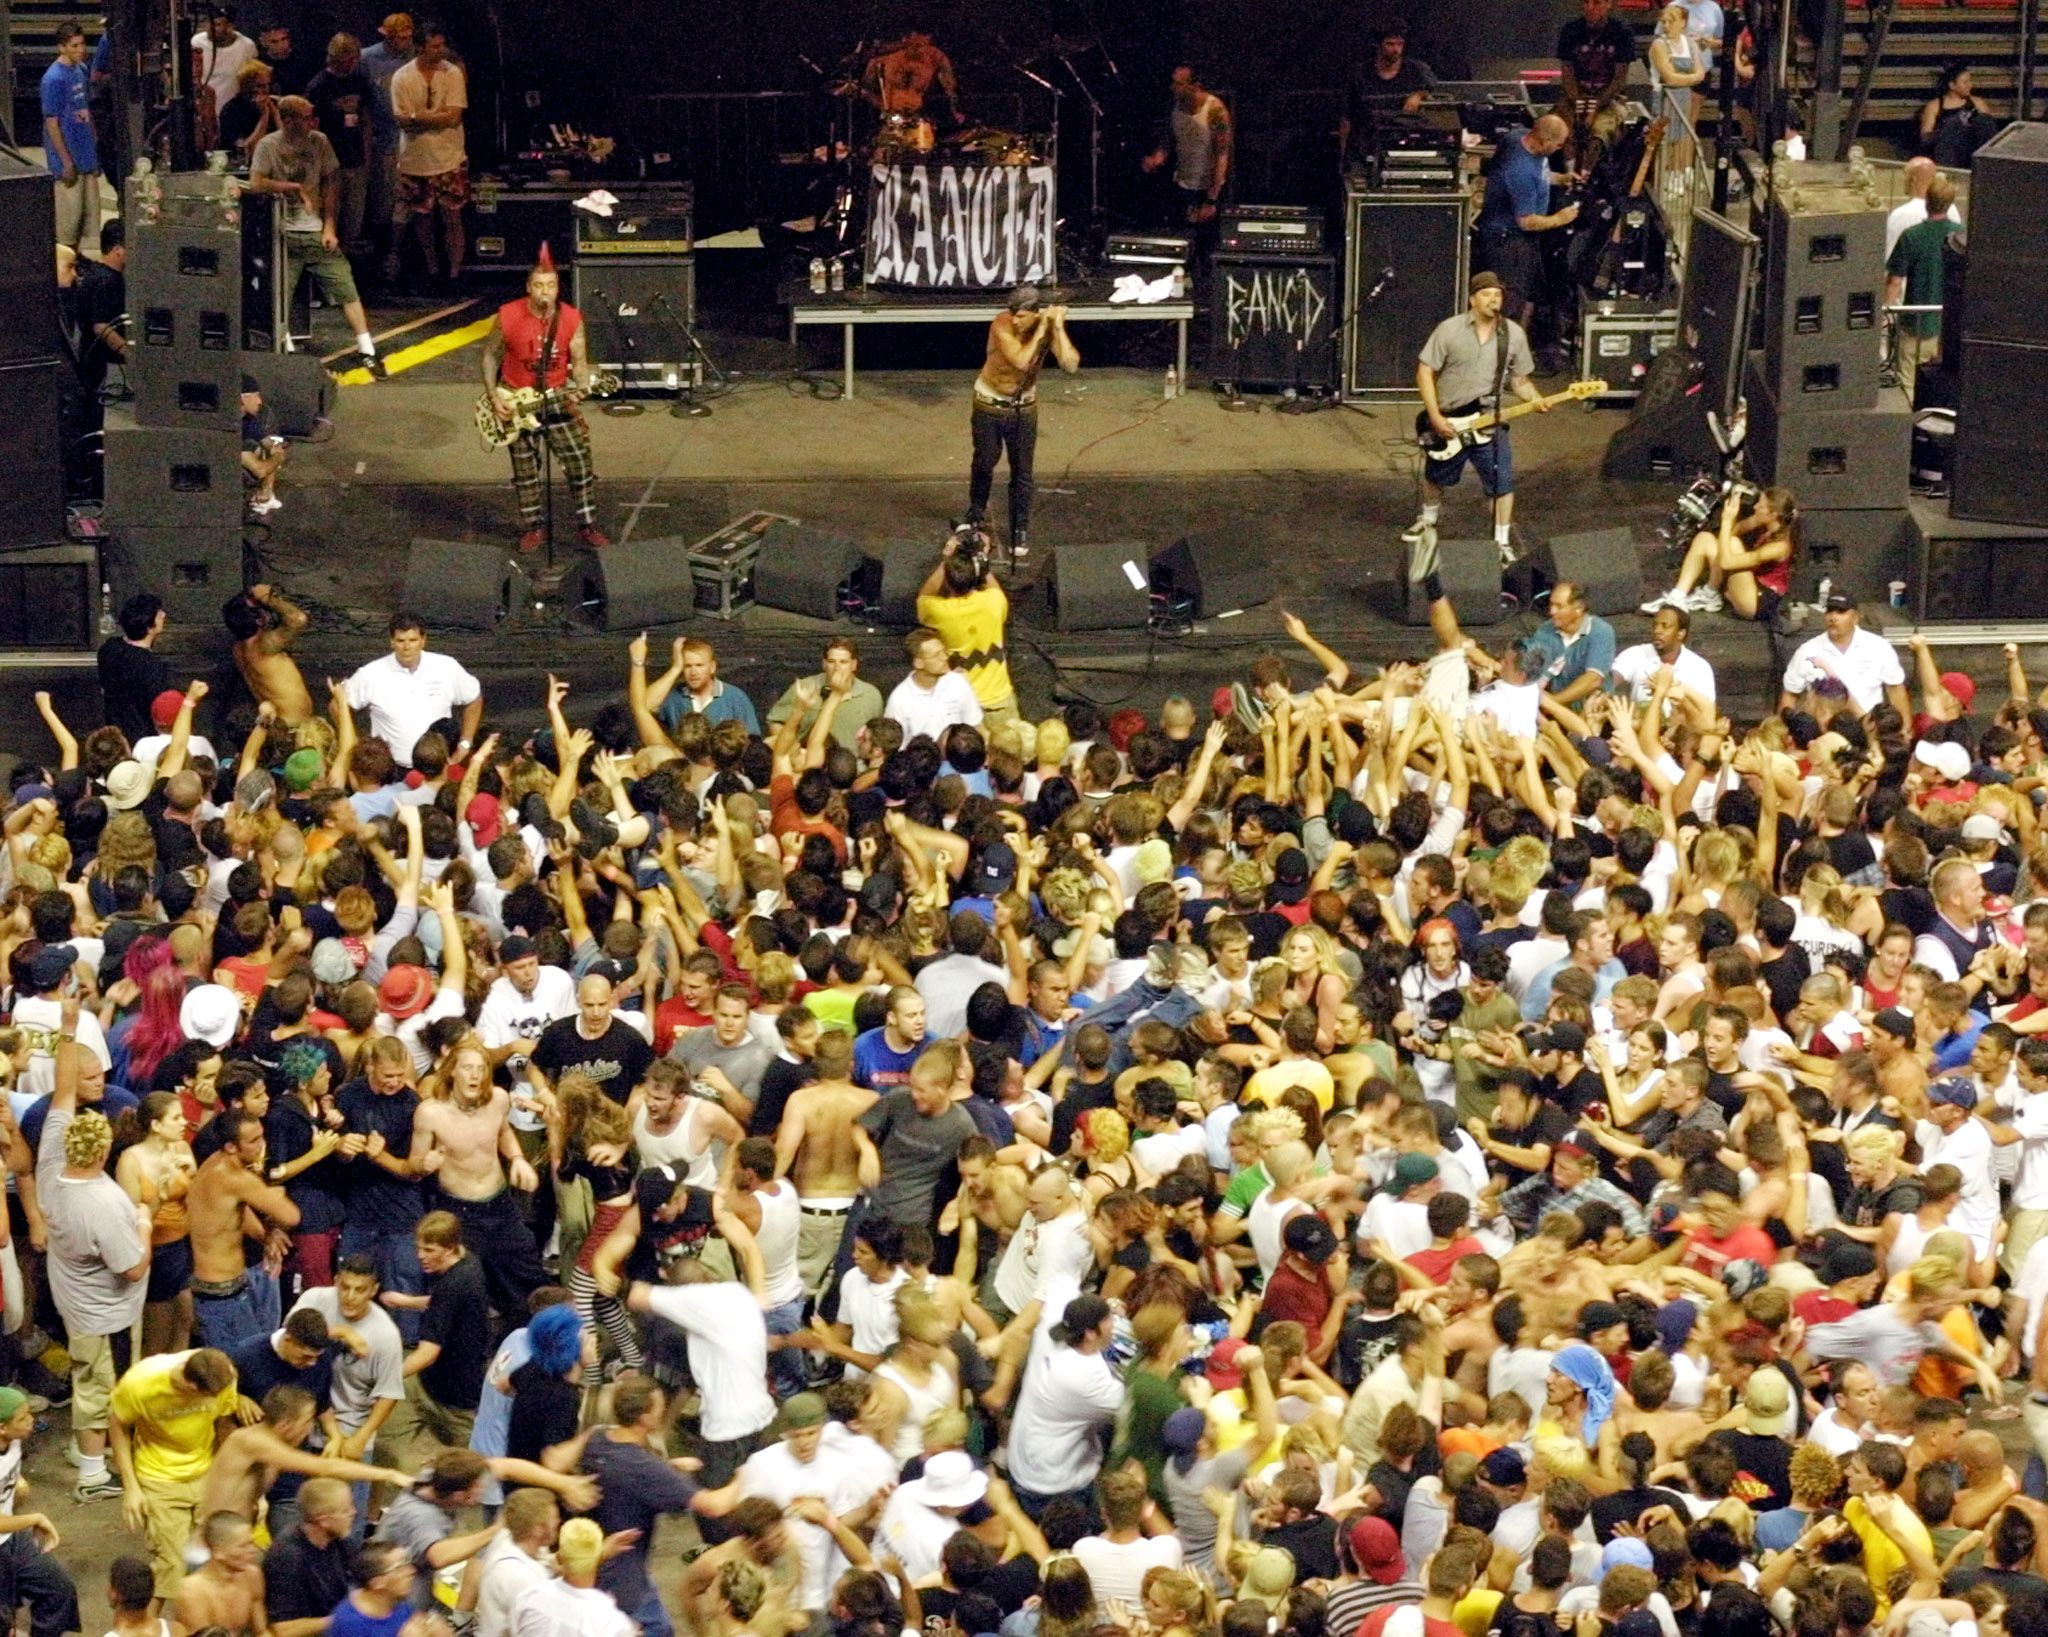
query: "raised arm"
67, 743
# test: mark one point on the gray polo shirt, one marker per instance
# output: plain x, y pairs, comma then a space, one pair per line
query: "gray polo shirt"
1465, 366
698, 1050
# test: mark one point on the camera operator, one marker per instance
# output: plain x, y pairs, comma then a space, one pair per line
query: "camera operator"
963, 602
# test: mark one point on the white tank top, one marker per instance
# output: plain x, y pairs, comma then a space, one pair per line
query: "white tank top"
777, 1237
941, 1392
1906, 1248
695, 1159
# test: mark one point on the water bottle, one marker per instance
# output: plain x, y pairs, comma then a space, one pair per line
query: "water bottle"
817, 275
106, 610
1180, 283
1172, 382
1820, 595
838, 275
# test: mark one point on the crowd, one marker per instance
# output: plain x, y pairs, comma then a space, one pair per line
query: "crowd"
1406, 1156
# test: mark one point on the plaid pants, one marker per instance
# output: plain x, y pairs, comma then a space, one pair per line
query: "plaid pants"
569, 437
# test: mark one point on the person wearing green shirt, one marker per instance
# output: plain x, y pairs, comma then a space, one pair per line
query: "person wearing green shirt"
1488, 1007
1914, 278
1152, 1392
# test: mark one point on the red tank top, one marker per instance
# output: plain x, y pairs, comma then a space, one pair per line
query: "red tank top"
524, 332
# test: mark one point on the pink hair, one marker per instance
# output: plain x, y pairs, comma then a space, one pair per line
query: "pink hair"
146, 955
155, 1033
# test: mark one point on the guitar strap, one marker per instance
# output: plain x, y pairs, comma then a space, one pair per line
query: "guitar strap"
547, 352
1500, 369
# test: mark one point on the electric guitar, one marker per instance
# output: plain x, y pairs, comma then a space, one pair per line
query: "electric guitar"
1467, 431
529, 404
1632, 220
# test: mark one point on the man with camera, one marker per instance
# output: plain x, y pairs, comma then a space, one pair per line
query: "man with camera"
965, 604
1006, 405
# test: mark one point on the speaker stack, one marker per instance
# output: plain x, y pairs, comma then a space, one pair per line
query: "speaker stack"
174, 495
32, 367
635, 283
1983, 552
1405, 260
1819, 423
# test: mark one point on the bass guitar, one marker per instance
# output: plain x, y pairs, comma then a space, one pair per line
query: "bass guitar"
1467, 431
529, 404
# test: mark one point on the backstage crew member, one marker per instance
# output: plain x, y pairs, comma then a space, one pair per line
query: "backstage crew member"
1388, 82
1005, 416
1465, 368
1198, 142
1517, 208
1594, 51
538, 341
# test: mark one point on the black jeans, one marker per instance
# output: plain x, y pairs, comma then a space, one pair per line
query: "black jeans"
497, 1236
30, 1575
996, 430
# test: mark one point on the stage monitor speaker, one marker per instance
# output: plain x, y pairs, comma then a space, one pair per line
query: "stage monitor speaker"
174, 476
32, 409
1861, 551
1215, 572
49, 597
1470, 572
2008, 249
639, 311
298, 393
1098, 588
1603, 564
1713, 315
887, 580
1965, 570
194, 571
28, 238
1272, 320
1405, 260
800, 570
460, 584
639, 584
2002, 429
1667, 438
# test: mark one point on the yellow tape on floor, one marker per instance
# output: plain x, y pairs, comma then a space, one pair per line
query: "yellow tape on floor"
422, 352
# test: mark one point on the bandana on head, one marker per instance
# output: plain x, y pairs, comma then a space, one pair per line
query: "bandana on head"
1589, 1372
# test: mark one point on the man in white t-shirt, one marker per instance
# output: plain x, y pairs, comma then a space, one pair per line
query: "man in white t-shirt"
1070, 1392
524, 1000
1636, 669
515, 1562
806, 1463
934, 696
1118, 1559
218, 52
1050, 1249
572, 1605
1864, 663
409, 690
925, 1513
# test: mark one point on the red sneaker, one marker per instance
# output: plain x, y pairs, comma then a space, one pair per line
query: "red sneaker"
593, 536
533, 540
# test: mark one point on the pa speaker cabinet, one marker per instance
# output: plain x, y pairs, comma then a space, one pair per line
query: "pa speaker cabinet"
457, 584
639, 584
174, 476
298, 393
28, 237
49, 598
187, 387
184, 264
1603, 564
1831, 458
890, 576
194, 571
1968, 570
32, 409
800, 570
1217, 572
1470, 573
1860, 551
2008, 284
1405, 260
1826, 345
1098, 588
2001, 473
185, 321
1272, 320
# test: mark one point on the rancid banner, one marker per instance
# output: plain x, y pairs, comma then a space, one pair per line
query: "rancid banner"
960, 227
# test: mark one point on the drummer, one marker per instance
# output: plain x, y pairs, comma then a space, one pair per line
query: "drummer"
900, 79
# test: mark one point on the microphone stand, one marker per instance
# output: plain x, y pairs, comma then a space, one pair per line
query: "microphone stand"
1096, 217
686, 398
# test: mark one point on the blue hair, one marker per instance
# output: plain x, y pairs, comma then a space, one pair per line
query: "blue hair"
555, 1335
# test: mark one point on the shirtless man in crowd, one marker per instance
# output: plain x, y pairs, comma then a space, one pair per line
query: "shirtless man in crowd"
464, 1139
249, 1459
814, 1146
227, 1591
228, 1201
264, 624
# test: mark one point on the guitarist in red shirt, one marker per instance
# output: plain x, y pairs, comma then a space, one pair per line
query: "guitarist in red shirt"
537, 342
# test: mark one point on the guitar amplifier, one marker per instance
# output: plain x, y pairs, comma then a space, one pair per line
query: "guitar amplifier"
1272, 320
653, 219
1150, 251
1284, 230
639, 312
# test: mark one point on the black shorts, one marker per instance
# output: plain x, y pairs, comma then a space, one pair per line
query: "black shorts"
1767, 602
1514, 256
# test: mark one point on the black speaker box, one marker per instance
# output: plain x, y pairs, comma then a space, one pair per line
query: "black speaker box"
639, 584
194, 571
1966, 570
1830, 457
187, 323
28, 239
1827, 345
1271, 318
2008, 249
1955, 283
1218, 572
297, 391
2002, 429
1603, 564
800, 570
637, 309
184, 265
1860, 551
890, 576
1406, 271
187, 387
32, 409
1098, 588
49, 597
458, 584
1470, 572
1666, 439
172, 476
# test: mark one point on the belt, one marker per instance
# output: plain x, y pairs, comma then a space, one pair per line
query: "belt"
823, 1210
219, 1290
996, 400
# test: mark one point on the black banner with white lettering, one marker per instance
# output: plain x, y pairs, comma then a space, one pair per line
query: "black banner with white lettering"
960, 227
1270, 319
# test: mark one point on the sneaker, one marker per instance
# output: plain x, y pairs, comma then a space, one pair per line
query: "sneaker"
375, 366
1422, 555
1413, 533
37, 1404
1020, 545
592, 536
592, 825
1663, 599
1705, 600
532, 540
1508, 554
263, 508
105, 1488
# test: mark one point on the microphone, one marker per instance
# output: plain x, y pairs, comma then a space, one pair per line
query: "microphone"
1386, 278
